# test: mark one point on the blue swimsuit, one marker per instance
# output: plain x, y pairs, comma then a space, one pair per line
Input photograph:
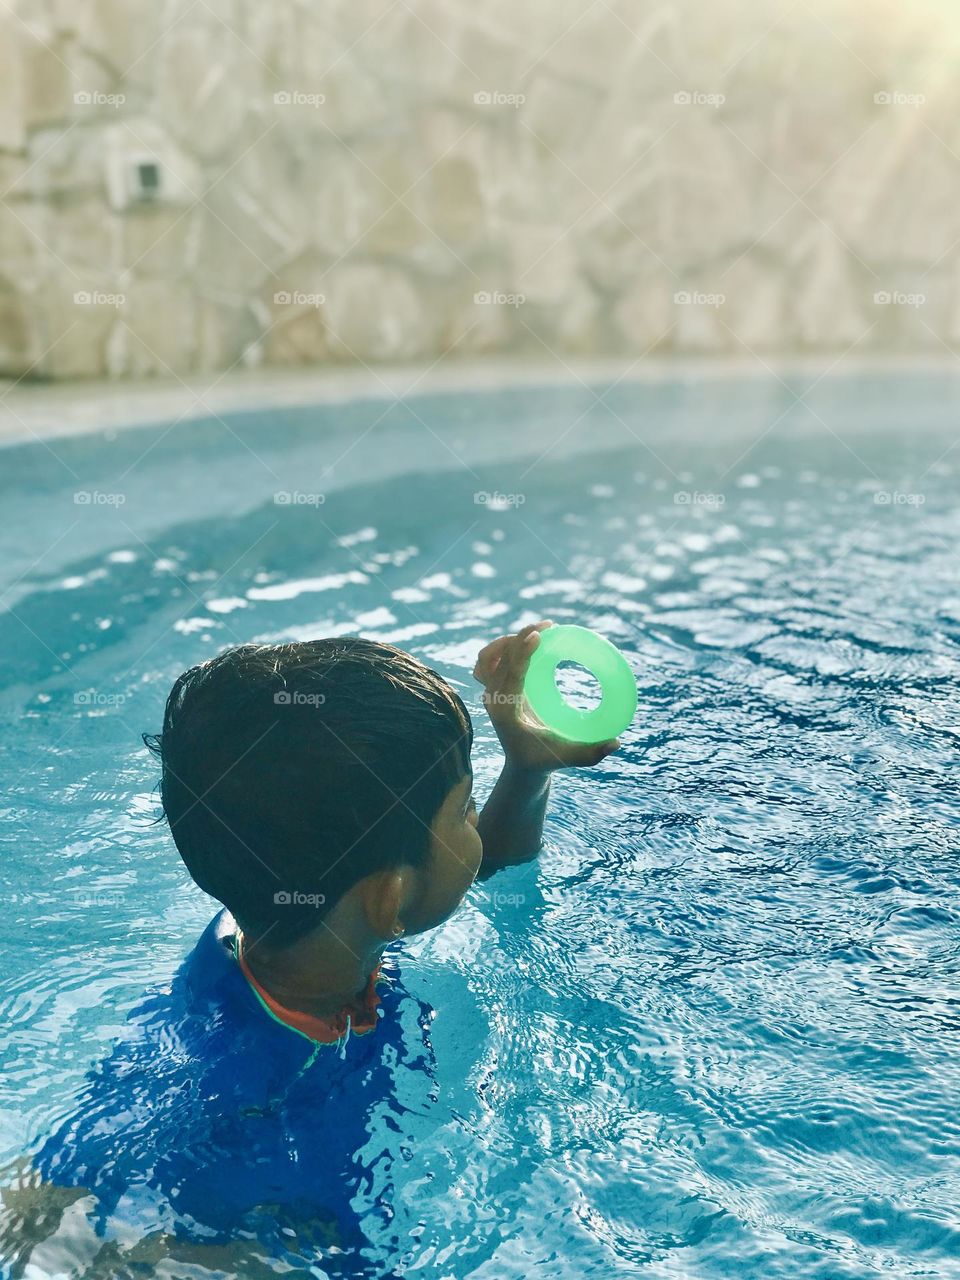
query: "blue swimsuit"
211, 1116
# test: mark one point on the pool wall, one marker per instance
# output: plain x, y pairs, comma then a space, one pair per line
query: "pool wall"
187, 187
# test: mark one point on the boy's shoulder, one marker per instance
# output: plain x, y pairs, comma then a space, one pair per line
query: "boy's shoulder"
214, 1016
215, 987
203, 1089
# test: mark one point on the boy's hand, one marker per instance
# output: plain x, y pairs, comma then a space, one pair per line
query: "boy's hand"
527, 744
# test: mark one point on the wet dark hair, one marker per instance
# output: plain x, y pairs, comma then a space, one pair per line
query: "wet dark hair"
292, 771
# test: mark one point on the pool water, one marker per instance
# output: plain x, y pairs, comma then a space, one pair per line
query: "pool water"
715, 1030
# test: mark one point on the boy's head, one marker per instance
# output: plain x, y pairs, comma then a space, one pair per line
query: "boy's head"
293, 772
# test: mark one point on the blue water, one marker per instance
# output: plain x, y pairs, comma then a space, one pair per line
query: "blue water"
715, 1031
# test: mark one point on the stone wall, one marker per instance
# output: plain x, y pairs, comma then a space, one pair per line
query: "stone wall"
188, 185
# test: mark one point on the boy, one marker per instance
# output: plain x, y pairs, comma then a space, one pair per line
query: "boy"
322, 792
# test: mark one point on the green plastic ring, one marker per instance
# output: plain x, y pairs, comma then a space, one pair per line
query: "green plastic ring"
618, 701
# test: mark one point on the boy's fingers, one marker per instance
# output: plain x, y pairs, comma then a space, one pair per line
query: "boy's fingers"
535, 626
519, 652
490, 649
491, 656
488, 658
592, 754
517, 658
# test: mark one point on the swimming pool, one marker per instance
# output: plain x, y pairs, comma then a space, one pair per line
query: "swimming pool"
715, 1030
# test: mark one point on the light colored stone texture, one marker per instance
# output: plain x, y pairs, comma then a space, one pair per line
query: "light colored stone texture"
571, 326
161, 240
15, 330
895, 198
127, 138
46, 76
454, 197
158, 329
125, 33
754, 306
587, 43
355, 105
64, 16
25, 236
376, 313
12, 168
493, 56
562, 115
87, 238
420, 44
296, 336
544, 264
13, 125
347, 202
293, 305
645, 318
824, 304
69, 335
91, 76
372, 201
611, 248
64, 162
240, 243
225, 335
213, 106
701, 326
923, 311
469, 326
596, 160
708, 203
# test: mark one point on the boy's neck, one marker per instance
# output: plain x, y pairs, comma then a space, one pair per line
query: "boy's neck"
321, 975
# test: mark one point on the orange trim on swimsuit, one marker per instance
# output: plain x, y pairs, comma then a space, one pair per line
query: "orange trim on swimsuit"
322, 1030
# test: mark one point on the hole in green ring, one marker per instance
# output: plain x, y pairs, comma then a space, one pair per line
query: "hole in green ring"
603, 662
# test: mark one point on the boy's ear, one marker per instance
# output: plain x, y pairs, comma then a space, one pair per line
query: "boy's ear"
384, 898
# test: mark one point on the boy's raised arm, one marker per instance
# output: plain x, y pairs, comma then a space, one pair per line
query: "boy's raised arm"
511, 824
